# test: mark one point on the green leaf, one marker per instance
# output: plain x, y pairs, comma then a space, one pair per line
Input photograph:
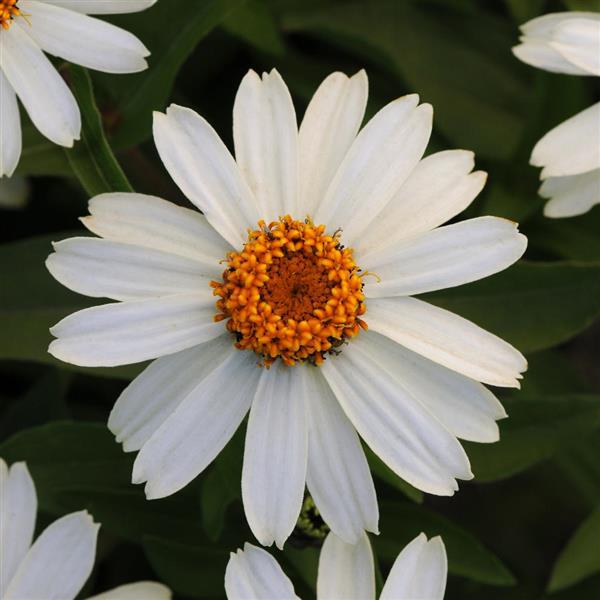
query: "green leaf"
531, 305
467, 556
580, 558
91, 158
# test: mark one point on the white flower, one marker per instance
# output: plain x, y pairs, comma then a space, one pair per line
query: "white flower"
345, 571
61, 28
291, 293
60, 560
569, 43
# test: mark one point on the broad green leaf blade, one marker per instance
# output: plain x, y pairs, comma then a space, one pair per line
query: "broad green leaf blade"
581, 557
91, 158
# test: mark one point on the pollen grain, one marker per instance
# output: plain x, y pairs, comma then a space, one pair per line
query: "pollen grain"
8, 11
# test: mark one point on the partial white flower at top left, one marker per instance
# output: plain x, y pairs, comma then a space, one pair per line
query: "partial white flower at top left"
28, 28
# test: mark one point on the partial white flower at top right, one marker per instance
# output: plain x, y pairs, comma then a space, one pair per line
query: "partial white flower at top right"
567, 42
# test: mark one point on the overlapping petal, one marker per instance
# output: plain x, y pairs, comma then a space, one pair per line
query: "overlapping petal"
10, 128
104, 7
571, 195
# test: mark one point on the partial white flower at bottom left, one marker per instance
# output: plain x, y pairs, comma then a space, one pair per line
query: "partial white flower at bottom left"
58, 563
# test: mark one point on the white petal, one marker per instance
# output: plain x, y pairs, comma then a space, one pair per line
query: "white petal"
377, 164
254, 574
466, 408
155, 223
572, 195
543, 27
330, 124
10, 128
83, 40
265, 133
18, 508
146, 403
188, 441
578, 40
398, 428
107, 269
346, 570
444, 258
447, 339
46, 97
128, 332
440, 187
571, 148
59, 562
142, 590
419, 572
275, 454
104, 7
338, 476
203, 168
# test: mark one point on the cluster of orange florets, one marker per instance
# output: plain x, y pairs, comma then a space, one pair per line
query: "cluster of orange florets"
293, 293
8, 11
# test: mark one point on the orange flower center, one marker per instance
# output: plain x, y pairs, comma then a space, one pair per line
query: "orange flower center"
292, 293
8, 11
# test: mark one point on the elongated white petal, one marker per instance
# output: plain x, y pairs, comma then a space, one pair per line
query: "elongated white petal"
466, 408
578, 40
397, 427
338, 476
252, 573
572, 195
46, 97
346, 570
203, 168
541, 54
83, 40
155, 394
447, 339
265, 133
142, 590
329, 126
155, 223
444, 258
10, 128
440, 187
275, 454
18, 508
571, 148
419, 572
104, 7
59, 562
188, 441
381, 158
129, 332
107, 269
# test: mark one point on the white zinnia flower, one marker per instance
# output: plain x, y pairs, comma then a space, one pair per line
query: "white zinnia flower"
567, 42
291, 293
60, 560
345, 571
28, 28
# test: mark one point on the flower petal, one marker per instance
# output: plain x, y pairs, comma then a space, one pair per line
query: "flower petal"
18, 508
338, 476
275, 454
329, 127
254, 573
346, 570
192, 436
46, 97
381, 158
419, 572
444, 258
265, 133
59, 562
10, 131
203, 168
104, 7
146, 403
440, 187
128, 332
578, 40
571, 195
447, 339
84, 40
146, 590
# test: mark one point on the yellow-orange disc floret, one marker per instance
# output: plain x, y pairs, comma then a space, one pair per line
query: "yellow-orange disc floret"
292, 293
8, 11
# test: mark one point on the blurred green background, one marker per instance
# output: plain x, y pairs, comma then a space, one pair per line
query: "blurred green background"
528, 526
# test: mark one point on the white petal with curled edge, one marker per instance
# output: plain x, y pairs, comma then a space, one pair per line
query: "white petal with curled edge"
571, 195
578, 40
10, 129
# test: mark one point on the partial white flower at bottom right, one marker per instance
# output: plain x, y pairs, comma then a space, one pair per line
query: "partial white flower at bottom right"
345, 571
